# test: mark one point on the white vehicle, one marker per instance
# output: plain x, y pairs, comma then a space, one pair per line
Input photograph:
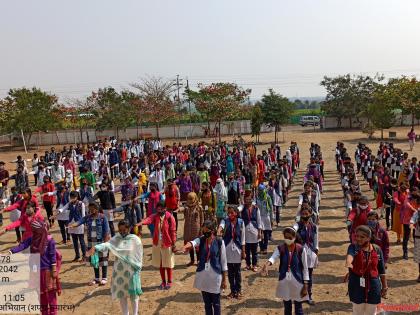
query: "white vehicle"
309, 121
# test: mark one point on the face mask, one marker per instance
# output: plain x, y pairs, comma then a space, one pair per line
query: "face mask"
372, 224
123, 235
289, 242
207, 234
363, 207
103, 188
162, 213
305, 219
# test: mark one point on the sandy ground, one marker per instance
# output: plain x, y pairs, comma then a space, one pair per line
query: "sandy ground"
329, 291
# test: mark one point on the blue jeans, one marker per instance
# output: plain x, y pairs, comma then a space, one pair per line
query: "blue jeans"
211, 303
288, 307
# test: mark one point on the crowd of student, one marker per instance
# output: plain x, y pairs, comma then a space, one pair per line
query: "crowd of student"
231, 199
394, 179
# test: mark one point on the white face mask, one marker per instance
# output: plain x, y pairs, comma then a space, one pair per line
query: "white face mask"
364, 207
289, 242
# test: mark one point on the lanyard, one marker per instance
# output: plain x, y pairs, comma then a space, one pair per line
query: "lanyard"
233, 229
369, 260
208, 245
290, 256
249, 213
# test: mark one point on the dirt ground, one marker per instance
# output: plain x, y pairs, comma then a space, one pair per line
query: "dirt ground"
329, 291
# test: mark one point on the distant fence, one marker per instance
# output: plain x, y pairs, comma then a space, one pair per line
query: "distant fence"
183, 131
332, 122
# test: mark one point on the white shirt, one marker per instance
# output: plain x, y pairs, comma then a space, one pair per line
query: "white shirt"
251, 233
209, 280
233, 253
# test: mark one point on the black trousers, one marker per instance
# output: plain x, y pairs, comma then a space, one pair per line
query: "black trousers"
211, 303
64, 230
49, 208
406, 237
251, 249
235, 279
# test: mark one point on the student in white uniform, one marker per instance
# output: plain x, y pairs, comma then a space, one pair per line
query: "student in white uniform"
251, 216
307, 231
233, 230
212, 266
293, 272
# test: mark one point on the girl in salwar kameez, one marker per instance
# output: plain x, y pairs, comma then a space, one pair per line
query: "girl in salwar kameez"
128, 251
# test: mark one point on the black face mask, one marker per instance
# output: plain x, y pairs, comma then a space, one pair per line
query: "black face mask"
162, 213
305, 219
207, 234
123, 235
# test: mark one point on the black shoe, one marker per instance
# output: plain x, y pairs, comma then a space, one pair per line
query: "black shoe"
405, 256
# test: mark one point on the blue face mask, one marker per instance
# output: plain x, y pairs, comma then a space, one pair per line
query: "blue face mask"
372, 224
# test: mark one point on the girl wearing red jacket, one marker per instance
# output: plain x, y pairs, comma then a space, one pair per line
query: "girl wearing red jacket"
358, 216
164, 239
29, 208
47, 199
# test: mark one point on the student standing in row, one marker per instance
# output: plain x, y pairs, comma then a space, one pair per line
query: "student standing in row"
210, 278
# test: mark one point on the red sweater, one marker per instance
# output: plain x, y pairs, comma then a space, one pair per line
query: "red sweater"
168, 229
45, 189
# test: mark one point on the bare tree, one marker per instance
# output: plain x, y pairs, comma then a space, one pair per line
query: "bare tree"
155, 101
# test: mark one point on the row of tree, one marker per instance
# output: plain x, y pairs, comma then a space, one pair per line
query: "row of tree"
354, 97
152, 101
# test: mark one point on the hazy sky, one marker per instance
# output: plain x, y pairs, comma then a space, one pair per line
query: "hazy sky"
73, 47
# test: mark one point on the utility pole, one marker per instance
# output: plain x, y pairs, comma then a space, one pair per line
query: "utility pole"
178, 86
189, 111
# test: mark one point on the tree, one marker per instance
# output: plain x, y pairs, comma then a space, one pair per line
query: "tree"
80, 114
348, 95
406, 95
256, 121
29, 110
154, 100
276, 110
218, 101
111, 109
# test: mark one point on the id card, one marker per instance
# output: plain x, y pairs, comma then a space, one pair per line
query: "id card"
288, 275
362, 282
207, 266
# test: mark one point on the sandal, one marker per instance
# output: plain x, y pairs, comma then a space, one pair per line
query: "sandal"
103, 281
231, 295
94, 282
247, 268
168, 286
162, 286
255, 269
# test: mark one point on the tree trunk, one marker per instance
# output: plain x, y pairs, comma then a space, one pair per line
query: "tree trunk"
87, 135
275, 134
137, 125
412, 119
157, 130
81, 135
351, 122
382, 134
219, 133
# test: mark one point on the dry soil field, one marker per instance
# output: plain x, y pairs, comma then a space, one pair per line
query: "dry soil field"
329, 291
